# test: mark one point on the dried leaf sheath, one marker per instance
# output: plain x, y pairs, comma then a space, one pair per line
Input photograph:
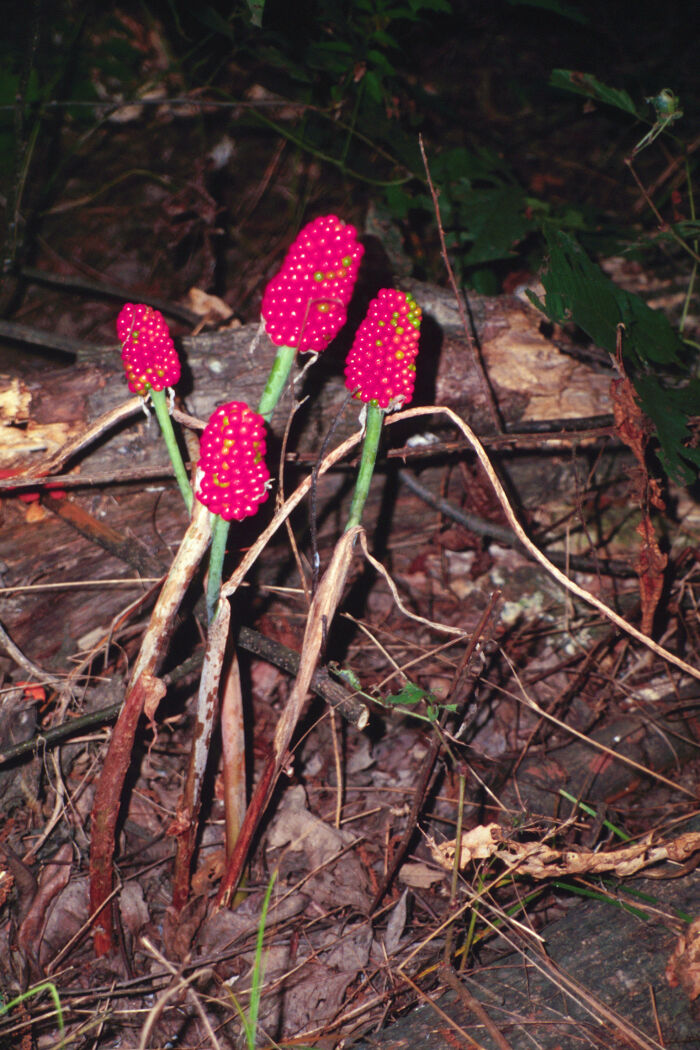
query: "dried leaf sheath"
185, 827
142, 690
107, 803
321, 613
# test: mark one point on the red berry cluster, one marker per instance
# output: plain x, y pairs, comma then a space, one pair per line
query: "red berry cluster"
149, 356
231, 473
305, 305
380, 366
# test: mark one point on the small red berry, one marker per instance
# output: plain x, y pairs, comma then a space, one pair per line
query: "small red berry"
231, 474
305, 305
380, 366
148, 353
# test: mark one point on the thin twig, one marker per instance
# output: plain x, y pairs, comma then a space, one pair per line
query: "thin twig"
426, 773
504, 535
471, 1044
110, 291
183, 983
480, 368
553, 571
16, 654
666, 226
474, 1006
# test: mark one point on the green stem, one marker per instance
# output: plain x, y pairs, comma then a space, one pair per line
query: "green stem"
219, 536
375, 418
276, 381
160, 405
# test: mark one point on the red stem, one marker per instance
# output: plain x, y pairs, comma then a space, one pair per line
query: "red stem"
258, 804
106, 810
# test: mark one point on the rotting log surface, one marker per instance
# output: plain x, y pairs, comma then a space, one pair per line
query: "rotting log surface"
131, 493
126, 473
618, 957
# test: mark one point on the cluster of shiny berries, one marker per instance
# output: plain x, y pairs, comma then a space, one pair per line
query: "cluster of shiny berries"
231, 476
380, 366
148, 353
305, 305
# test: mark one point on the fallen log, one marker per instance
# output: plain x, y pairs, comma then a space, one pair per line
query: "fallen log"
600, 979
124, 479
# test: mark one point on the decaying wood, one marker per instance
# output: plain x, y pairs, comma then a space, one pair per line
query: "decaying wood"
599, 980
124, 480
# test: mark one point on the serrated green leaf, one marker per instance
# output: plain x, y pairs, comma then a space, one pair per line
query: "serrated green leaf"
589, 86
578, 290
495, 220
379, 36
399, 202
373, 86
669, 411
211, 18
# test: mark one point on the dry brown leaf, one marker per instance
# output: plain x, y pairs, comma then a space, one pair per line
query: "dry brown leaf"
543, 862
208, 307
65, 917
477, 844
316, 994
53, 878
180, 927
683, 967
419, 876
314, 849
209, 872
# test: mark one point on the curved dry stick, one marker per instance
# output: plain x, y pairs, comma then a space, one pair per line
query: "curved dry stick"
94, 431
536, 553
16, 654
143, 690
413, 413
321, 613
192, 549
188, 807
262, 792
252, 555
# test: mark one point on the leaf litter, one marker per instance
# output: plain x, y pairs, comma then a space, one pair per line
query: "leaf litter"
331, 970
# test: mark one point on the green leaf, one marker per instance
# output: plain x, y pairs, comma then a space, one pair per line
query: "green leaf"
211, 18
495, 221
433, 711
380, 62
399, 201
9, 86
410, 695
373, 86
588, 85
577, 290
669, 411
379, 36
443, 6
